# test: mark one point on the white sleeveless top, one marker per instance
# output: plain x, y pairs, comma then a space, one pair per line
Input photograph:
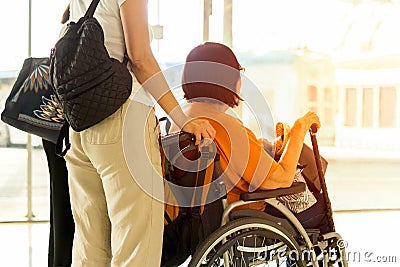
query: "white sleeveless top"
108, 15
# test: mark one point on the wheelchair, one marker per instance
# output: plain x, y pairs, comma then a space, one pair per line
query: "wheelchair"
248, 237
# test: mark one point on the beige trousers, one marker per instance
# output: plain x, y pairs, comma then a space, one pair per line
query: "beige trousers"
117, 222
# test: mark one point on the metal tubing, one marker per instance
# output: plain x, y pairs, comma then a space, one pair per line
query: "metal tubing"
29, 214
321, 176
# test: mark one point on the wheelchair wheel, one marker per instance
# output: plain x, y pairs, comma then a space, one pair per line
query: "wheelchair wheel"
248, 242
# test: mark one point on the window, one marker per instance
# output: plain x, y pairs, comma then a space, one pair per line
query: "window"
24, 187
368, 107
312, 98
312, 93
181, 22
387, 107
350, 118
329, 106
371, 107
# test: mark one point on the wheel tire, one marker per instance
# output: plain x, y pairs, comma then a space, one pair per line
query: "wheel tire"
248, 241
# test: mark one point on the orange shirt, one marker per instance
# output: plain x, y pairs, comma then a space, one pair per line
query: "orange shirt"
245, 181
243, 160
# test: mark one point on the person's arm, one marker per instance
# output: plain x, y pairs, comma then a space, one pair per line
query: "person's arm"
260, 170
65, 15
147, 71
283, 175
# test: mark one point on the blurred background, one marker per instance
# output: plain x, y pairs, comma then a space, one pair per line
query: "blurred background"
339, 58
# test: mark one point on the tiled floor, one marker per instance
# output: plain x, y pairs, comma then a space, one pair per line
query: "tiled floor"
372, 239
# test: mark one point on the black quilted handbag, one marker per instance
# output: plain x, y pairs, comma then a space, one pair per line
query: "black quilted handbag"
89, 84
31, 105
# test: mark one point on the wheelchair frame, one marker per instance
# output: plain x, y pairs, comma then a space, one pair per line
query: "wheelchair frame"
311, 242
289, 229
270, 198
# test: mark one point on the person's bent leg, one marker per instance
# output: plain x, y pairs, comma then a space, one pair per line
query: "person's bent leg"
316, 216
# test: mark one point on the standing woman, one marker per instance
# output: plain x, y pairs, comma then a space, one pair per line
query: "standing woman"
61, 222
117, 222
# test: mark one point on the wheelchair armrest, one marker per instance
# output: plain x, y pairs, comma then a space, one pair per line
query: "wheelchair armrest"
297, 187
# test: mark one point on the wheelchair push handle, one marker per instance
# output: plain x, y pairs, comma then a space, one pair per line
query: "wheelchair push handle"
313, 134
313, 129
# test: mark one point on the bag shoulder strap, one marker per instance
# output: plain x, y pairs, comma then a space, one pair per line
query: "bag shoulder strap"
89, 14
63, 136
92, 8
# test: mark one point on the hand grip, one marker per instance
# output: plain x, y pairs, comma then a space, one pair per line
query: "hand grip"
313, 128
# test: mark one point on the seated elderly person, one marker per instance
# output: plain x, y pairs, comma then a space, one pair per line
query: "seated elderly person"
211, 85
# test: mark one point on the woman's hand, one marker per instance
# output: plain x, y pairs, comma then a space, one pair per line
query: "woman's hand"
202, 129
283, 175
307, 120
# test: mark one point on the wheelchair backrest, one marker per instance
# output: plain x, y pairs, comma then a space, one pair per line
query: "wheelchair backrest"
185, 165
192, 210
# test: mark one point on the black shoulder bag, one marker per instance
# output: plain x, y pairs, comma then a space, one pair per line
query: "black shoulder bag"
89, 84
31, 105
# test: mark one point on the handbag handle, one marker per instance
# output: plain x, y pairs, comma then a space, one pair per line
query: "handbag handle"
92, 8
